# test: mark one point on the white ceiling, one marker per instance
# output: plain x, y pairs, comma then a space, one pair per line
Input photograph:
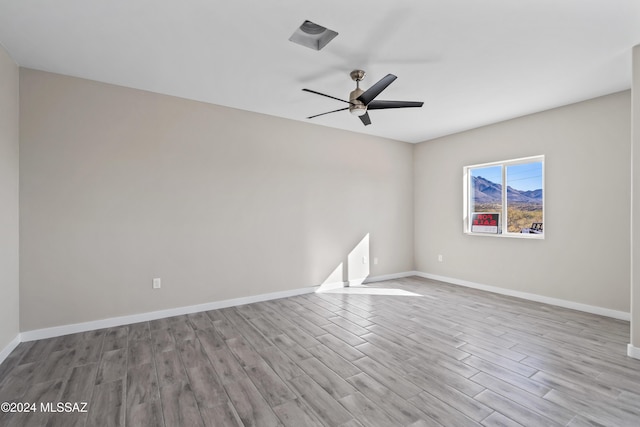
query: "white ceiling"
472, 62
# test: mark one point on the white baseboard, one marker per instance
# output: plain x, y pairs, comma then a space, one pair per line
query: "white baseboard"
633, 351
331, 286
143, 317
620, 315
394, 276
364, 281
57, 331
5, 352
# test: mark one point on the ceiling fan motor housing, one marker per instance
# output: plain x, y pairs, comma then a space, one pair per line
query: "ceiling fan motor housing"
356, 107
360, 101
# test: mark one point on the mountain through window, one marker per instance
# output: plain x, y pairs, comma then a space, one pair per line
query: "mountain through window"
505, 198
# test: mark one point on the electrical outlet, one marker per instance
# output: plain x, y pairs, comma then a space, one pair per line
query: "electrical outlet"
440, 257
157, 283
375, 261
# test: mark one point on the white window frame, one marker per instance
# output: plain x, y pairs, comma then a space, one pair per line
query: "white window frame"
503, 214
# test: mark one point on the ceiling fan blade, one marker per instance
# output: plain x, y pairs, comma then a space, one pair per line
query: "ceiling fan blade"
381, 105
328, 96
375, 90
328, 112
365, 119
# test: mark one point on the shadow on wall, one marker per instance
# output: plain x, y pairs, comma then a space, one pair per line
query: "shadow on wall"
349, 276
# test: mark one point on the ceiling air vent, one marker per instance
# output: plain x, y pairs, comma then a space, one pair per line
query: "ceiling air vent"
312, 35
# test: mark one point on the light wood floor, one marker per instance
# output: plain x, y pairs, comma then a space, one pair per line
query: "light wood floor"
451, 356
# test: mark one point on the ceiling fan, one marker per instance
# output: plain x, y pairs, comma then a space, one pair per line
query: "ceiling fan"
360, 101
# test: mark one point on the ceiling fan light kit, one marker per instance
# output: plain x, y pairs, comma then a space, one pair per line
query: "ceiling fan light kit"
357, 107
361, 101
312, 35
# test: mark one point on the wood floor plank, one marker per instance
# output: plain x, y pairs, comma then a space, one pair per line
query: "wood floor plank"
341, 333
57, 366
113, 366
147, 414
294, 414
565, 368
367, 411
48, 391
170, 369
580, 421
466, 405
251, 407
243, 351
522, 382
116, 338
226, 366
428, 374
309, 327
460, 367
388, 378
399, 409
183, 331
495, 358
163, 340
139, 352
40, 350
192, 353
65, 419
529, 401
331, 382
496, 419
210, 340
179, 406
226, 329
18, 381
139, 331
248, 331
88, 351
334, 343
348, 325
575, 385
319, 321
142, 384
291, 348
207, 387
215, 315
442, 412
13, 359
271, 386
453, 356
513, 410
200, 320
338, 364
300, 336
594, 408
107, 404
80, 384
324, 406
221, 415
266, 327
280, 363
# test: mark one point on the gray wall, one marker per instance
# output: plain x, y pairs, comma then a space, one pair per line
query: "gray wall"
585, 254
119, 186
635, 218
9, 227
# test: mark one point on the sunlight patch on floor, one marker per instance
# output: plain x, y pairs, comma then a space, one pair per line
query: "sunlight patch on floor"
367, 290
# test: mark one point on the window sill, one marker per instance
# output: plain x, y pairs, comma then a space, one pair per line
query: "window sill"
509, 235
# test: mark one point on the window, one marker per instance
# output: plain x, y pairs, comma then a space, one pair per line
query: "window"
505, 198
